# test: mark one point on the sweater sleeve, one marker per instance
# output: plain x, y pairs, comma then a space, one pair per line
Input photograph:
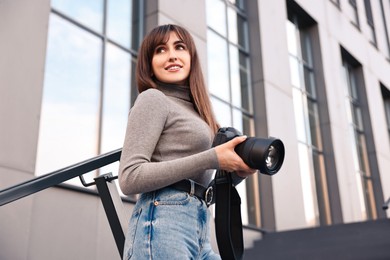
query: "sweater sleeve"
137, 173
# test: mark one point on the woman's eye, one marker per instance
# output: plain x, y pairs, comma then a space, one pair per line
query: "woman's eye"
160, 49
180, 47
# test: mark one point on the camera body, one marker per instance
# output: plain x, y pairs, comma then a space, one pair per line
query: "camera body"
266, 155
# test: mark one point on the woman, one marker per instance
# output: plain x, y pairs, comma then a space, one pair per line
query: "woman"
167, 155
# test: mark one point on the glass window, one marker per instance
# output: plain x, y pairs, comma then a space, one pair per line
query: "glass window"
216, 16
308, 185
70, 114
119, 22
222, 112
239, 78
229, 73
358, 141
218, 70
386, 103
238, 3
123, 23
89, 81
86, 12
295, 72
306, 110
237, 28
385, 7
314, 121
370, 21
354, 14
242, 122
116, 98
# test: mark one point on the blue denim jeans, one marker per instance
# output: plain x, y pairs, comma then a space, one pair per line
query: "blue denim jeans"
169, 224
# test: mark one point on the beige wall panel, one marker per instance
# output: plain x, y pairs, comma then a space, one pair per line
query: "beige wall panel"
189, 13
15, 219
22, 50
273, 17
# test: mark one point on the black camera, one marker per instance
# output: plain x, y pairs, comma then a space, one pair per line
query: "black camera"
266, 155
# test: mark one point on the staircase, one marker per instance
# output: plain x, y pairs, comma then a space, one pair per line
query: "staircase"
356, 241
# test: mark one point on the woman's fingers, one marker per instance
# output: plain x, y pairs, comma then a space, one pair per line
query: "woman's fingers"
237, 140
229, 159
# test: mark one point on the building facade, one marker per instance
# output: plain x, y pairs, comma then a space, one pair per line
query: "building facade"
313, 73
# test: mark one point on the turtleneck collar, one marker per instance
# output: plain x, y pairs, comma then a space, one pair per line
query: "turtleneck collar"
173, 90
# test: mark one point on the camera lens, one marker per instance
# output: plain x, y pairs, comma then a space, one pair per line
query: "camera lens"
266, 155
273, 155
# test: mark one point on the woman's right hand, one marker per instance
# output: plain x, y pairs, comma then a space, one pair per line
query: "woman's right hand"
229, 160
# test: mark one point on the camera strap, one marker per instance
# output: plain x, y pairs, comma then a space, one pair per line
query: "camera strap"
228, 224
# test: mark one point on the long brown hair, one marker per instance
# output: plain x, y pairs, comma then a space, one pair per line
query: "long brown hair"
144, 71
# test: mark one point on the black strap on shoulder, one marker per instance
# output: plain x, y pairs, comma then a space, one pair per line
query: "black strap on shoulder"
228, 224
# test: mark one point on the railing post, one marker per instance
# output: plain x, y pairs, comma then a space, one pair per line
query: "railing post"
113, 207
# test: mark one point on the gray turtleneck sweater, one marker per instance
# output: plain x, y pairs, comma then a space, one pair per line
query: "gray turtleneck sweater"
166, 141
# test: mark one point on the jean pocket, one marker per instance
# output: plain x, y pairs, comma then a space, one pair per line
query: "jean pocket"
132, 232
172, 198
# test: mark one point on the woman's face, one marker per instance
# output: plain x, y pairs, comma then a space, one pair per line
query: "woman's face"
171, 61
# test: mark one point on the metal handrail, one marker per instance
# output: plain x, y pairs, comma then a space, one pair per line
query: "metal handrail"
54, 178
386, 204
108, 193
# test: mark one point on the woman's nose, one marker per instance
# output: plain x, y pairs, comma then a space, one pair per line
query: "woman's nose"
172, 55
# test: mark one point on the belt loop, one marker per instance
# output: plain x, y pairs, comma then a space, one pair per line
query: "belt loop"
192, 191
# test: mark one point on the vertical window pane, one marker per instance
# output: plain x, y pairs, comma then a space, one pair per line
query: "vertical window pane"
222, 112
357, 118
307, 51
237, 28
232, 26
239, 3
308, 185
216, 16
358, 140
292, 42
242, 122
387, 111
386, 103
362, 156
385, 6
218, 71
69, 118
354, 16
229, 72
307, 121
310, 82
314, 124
235, 77
370, 21
119, 22
353, 85
86, 12
299, 110
116, 102
295, 72
245, 82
